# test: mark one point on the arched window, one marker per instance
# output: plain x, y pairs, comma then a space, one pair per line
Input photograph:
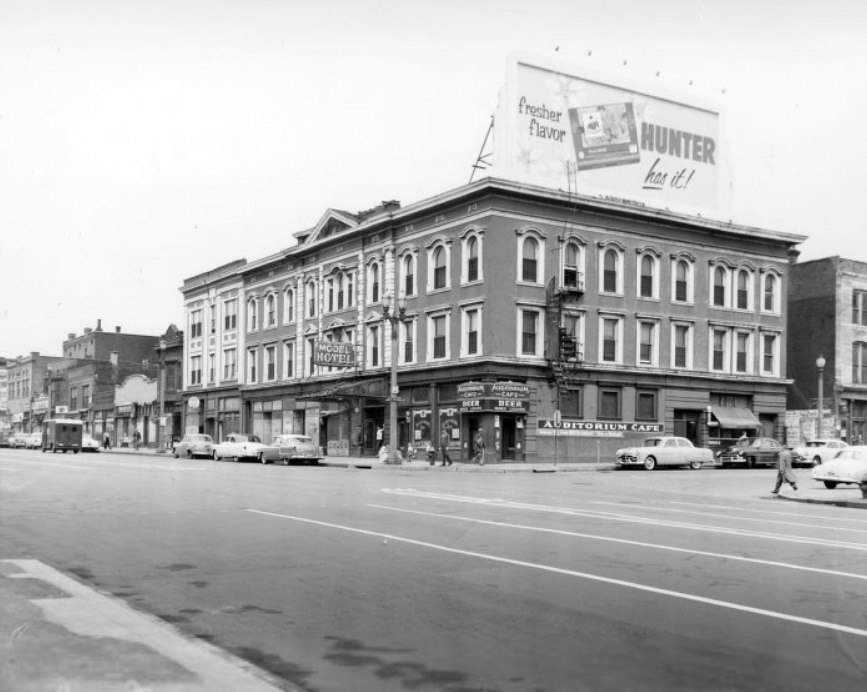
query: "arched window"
271, 310
288, 306
311, 299
439, 263
770, 293
373, 276
743, 297
681, 281
719, 286
408, 266
609, 271
472, 249
647, 277
572, 274
252, 314
530, 260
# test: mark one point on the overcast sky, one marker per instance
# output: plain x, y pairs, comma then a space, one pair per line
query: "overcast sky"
144, 142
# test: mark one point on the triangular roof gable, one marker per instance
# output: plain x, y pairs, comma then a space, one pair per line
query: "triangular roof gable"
332, 221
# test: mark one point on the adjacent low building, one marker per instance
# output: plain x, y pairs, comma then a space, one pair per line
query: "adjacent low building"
560, 326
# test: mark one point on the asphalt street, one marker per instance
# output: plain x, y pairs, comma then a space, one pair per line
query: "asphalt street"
355, 580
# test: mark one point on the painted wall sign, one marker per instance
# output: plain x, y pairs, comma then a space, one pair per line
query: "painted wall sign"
586, 428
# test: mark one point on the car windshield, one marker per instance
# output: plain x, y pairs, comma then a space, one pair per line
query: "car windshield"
815, 443
254, 438
201, 438
653, 442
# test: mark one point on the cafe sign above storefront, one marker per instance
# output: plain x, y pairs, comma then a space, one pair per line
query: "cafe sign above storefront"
494, 397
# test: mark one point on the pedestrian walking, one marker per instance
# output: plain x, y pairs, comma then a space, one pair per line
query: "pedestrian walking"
444, 446
479, 448
136, 440
106, 441
785, 472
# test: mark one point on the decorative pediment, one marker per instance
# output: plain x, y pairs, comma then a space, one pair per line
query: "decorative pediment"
310, 328
333, 222
373, 316
336, 323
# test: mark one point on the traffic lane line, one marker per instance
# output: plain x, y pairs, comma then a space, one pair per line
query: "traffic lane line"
842, 518
620, 517
775, 615
625, 541
98, 465
736, 517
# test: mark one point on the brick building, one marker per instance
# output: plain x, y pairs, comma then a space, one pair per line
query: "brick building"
561, 326
828, 308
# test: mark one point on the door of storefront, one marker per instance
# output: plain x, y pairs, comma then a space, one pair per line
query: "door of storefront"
509, 437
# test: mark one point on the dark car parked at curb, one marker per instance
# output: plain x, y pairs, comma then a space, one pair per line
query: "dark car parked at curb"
752, 451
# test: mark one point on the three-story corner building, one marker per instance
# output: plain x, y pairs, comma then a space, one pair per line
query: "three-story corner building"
560, 326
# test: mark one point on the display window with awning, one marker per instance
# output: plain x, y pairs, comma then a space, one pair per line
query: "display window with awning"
735, 417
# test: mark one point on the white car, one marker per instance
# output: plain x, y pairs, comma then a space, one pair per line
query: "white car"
664, 451
848, 467
237, 446
88, 444
817, 452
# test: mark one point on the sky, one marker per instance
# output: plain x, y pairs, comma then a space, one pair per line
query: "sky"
144, 142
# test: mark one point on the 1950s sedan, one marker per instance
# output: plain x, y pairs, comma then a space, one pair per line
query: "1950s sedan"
237, 446
290, 448
664, 451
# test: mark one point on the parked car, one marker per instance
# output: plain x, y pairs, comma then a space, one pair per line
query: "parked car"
290, 447
238, 446
817, 452
18, 440
848, 467
752, 451
194, 446
4, 438
664, 451
33, 441
88, 444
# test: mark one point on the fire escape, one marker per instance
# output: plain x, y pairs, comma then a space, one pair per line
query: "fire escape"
566, 352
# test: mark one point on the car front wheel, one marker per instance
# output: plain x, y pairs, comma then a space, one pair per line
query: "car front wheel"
817, 460
262, 458
695, 465
650, 463
830, 484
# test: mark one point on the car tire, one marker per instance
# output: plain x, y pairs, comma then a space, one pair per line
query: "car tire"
817, 460
650, 463
751, 462
830, 484
215, 457
262, 459
175, 455
189, 454
235, 459
695, 465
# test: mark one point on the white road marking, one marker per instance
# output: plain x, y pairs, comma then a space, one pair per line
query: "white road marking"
642, 544
847, 518
724, 516
581, 575
629, 518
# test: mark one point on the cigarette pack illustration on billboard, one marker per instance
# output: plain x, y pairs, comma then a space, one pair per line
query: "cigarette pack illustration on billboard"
604, 135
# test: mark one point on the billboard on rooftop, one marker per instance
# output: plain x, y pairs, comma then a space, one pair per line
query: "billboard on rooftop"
610, 137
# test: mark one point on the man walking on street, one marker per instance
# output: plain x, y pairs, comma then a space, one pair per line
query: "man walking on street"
444, 447
479, 447
785, 472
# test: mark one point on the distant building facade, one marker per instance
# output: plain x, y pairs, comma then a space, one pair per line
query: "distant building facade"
828, 313
560, 326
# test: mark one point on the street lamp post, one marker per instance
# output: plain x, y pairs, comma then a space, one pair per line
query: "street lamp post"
161, 431
388, 306
820, 365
